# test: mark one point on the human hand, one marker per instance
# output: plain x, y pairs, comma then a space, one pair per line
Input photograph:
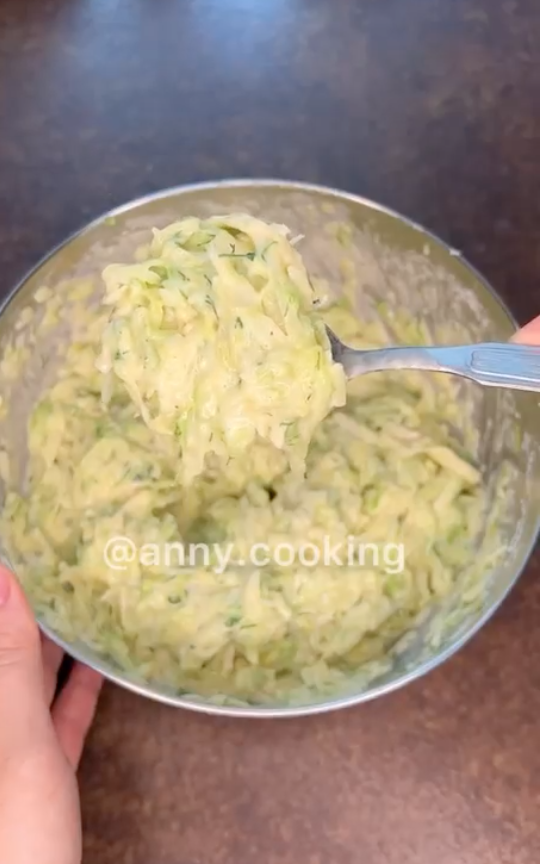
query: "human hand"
41, 739
530, 334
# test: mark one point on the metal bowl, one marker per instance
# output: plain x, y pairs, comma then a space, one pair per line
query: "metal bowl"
396, 261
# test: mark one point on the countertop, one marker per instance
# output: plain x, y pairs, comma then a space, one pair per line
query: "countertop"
430, 107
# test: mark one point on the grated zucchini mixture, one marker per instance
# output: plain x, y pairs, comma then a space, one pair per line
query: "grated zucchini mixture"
202, 405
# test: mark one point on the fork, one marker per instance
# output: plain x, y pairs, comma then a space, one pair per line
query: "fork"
491, 364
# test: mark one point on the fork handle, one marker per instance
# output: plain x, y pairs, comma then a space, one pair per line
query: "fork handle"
492, 364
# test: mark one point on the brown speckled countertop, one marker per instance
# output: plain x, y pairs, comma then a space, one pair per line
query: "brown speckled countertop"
431, 107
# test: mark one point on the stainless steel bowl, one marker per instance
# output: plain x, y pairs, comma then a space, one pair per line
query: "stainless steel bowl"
397, 261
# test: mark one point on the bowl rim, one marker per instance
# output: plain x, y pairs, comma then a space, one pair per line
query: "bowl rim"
256, 711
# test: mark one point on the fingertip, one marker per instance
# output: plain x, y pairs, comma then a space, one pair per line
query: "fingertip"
529, 334
16, 615
10, 588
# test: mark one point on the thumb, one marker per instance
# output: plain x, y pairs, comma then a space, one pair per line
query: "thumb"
25, 721
530, 334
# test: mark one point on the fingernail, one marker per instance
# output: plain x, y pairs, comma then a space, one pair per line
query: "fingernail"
5, 585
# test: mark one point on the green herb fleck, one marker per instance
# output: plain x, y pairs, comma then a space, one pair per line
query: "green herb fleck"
208, 300
249, 255
239, 324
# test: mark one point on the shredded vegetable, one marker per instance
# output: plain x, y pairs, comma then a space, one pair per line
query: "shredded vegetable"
217, 341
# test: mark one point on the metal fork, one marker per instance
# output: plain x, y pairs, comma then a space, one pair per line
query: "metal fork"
492, 364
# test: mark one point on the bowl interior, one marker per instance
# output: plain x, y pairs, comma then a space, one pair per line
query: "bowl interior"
394, 262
